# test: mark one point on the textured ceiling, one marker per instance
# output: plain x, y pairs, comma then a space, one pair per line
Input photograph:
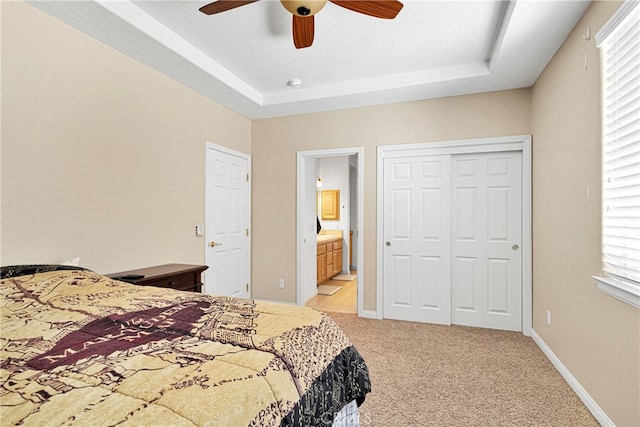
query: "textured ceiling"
243, 58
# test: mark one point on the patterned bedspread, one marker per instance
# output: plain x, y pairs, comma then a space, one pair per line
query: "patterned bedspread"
79, 348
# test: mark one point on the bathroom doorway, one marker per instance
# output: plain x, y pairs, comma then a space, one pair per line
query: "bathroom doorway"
343, 171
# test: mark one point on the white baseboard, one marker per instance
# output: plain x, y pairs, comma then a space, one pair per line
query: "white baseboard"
369, 314
591, 404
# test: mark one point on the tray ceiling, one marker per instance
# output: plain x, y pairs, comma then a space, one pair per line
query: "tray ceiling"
243, 58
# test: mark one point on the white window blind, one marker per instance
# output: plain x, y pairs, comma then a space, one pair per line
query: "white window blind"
619, 42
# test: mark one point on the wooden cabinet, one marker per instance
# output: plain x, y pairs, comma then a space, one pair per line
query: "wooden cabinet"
331, 205
322, 263
337, 257
183, 277
329, 261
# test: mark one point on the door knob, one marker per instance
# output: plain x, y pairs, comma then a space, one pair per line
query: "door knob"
515, 247
388, 243
214, 244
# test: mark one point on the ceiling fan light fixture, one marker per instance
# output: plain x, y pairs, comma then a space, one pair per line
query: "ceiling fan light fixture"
303, 8
303, 13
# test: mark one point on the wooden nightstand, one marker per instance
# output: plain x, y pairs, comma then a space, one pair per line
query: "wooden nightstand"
183, 277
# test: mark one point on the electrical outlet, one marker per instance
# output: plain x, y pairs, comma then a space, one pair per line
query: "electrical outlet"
549, 317
281, 283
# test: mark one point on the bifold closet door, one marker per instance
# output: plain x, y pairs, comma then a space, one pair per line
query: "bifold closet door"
452, 236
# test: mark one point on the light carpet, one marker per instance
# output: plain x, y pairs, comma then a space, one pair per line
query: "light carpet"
328, 289
434, 375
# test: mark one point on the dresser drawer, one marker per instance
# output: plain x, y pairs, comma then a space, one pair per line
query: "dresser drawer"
182, 282
183, 277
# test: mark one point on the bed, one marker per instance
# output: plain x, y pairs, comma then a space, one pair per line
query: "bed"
80, 348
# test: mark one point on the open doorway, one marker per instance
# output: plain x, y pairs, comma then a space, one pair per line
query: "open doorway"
341, 232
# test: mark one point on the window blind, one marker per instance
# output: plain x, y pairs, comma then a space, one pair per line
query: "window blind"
620, 48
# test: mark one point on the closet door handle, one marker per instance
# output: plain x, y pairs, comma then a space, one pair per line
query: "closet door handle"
388, 243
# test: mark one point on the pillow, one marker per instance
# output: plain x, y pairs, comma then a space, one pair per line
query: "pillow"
75, 262
23, 270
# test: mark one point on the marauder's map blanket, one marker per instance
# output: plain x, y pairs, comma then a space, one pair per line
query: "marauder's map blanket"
79, 348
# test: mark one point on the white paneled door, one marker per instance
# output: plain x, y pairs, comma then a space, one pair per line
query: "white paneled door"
486, 260
417, 240
452, 236
227, 231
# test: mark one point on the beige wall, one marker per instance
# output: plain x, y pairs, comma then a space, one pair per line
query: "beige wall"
276, 141
102, 158
596, 336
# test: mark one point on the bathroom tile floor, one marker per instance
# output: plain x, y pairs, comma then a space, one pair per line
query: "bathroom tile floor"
343, 301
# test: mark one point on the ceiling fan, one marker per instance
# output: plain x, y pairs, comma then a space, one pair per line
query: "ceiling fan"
303, 12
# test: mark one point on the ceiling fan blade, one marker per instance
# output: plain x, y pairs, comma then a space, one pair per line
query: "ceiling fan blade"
303, 30
223, 5
387, 9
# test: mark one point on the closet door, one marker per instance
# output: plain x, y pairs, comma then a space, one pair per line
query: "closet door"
452, 236
417, 236
486, 230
